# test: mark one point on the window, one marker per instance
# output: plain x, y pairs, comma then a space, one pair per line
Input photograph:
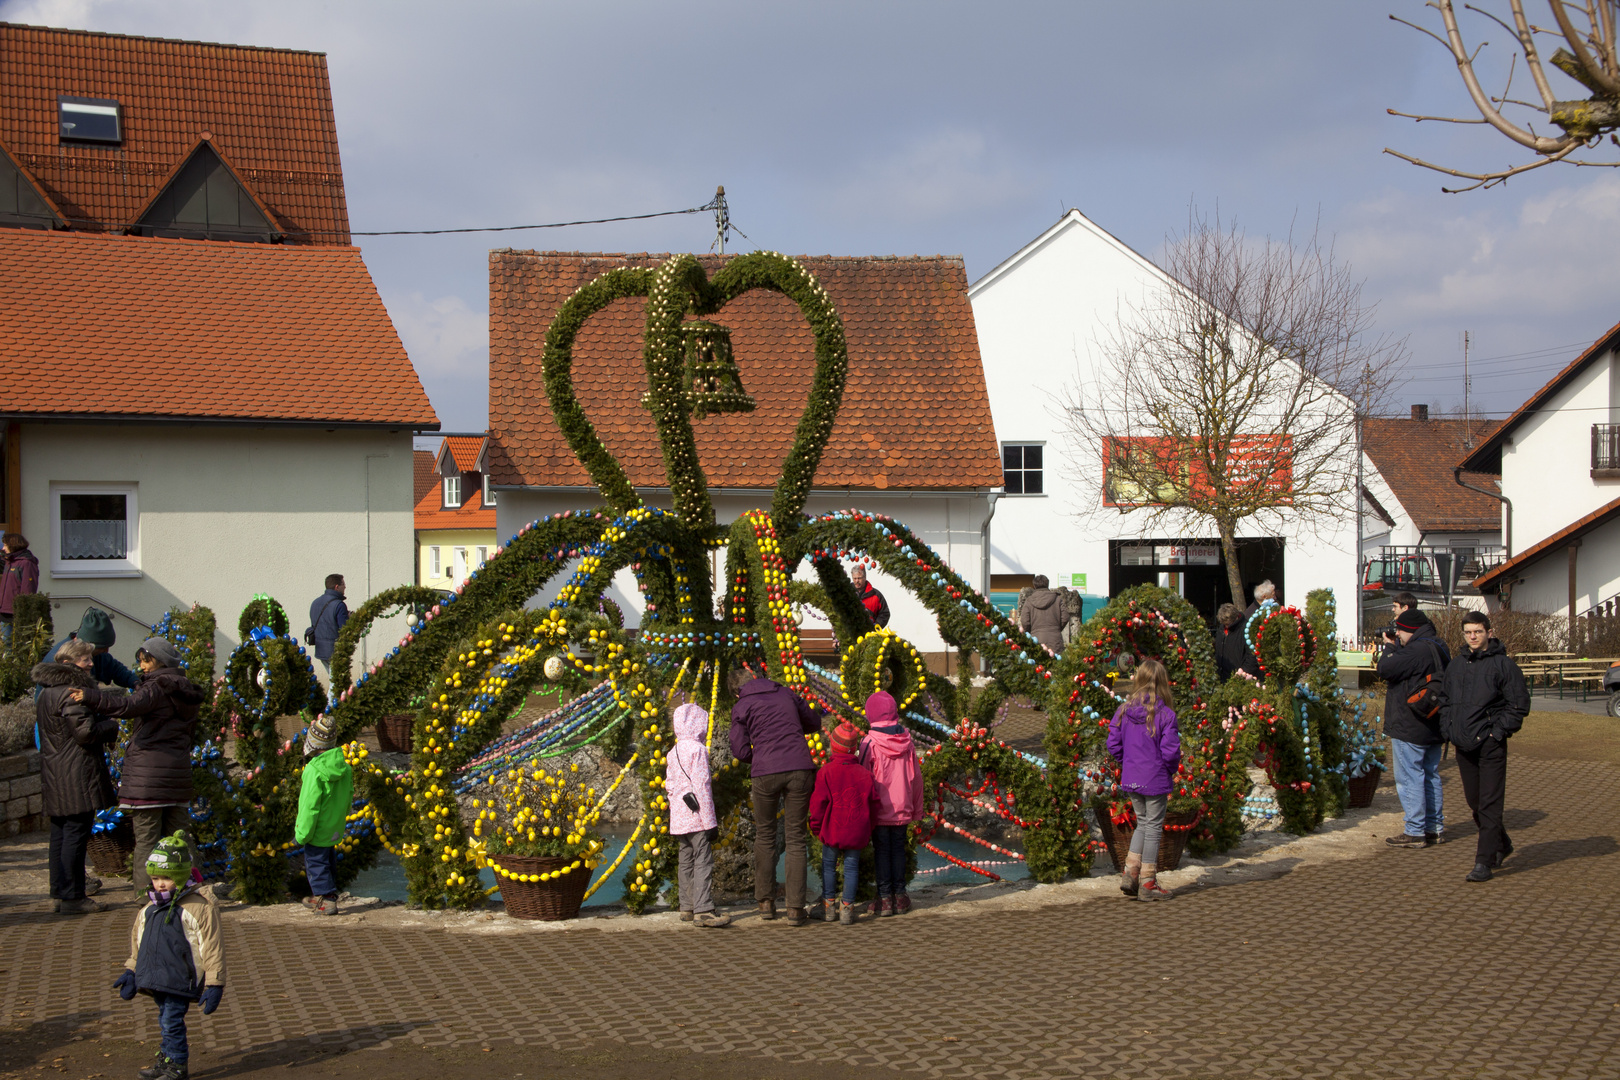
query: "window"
206, 202
433, 561
483, 555
84, 119
452, 491
94, 530
1021, 468
489, 492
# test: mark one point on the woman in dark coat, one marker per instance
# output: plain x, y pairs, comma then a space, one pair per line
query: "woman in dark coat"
154, 786
73, 771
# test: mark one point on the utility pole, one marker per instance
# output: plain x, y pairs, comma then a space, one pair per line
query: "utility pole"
1361, 486
722, 218
1468, 385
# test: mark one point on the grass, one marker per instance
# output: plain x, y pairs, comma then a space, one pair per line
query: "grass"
1568, 736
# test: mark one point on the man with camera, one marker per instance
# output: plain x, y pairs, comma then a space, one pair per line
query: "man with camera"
1413, 663
1486, 702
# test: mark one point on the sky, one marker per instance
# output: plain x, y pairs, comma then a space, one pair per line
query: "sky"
938, 127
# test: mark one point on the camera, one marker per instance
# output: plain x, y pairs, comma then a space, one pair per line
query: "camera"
1388, 633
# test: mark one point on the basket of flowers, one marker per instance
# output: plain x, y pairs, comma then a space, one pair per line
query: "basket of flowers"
1363, 755
1117, 821
537, 838
111, 844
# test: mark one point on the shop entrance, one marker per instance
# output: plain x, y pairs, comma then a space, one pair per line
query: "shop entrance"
1195, 568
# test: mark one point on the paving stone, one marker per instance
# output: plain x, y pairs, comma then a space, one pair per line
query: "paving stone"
1388, 966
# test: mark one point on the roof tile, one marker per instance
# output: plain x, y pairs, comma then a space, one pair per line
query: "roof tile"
95, 324
1415, 457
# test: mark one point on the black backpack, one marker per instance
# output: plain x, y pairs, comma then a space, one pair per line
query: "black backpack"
1430, 697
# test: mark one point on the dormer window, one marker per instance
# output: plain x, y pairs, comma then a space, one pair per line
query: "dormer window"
82, 119
452, 492
489, 492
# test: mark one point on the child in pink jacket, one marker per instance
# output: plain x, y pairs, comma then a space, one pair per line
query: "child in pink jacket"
691, 815
888, 751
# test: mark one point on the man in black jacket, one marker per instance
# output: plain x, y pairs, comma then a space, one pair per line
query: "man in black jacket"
1486, 701
1415, 659
1232, 653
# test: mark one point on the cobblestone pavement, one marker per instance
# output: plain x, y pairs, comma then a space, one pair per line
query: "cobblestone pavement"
1385, 966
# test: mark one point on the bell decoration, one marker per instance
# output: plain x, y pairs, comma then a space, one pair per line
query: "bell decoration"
712, 382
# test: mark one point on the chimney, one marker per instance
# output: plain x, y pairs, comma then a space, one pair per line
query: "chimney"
1420, 412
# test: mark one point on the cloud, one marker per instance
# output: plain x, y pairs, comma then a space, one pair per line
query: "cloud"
443, 336
949, 173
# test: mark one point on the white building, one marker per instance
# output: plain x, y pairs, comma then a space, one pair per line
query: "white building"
205, 398
1043, 316
913, 438
1558, 457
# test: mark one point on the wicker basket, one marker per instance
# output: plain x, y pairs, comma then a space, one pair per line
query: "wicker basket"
110, 849
1362, 787
394, 733
548, 901
1177, 827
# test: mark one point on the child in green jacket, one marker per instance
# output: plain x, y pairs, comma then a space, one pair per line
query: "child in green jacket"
324, 797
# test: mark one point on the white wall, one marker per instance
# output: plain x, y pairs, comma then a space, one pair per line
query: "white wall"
227, 512
1043, 315
949, 524
1546, 462
1545, 584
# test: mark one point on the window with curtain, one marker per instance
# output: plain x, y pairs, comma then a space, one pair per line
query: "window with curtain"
94, 530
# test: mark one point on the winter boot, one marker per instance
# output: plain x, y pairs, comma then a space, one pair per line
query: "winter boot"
1149, 886
824, 910
884, 907
902, 904
1131, 875
165, 1068
708, 919
846, 913
767, 909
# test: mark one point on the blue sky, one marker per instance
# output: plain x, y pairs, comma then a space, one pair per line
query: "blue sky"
937, 127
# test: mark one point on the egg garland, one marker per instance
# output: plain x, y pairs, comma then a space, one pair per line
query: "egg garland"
864, 662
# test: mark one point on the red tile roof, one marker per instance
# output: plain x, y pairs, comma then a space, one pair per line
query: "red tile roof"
268, 110
424, 478
472, 514
1560, 539
99, 325
463, 450
1415, 457
915, 414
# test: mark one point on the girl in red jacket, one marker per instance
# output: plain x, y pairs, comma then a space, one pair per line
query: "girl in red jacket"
841, 810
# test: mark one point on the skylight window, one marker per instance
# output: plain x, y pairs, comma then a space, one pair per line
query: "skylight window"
84, 119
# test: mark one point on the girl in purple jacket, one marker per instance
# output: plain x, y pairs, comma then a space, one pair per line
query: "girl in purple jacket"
1144, 740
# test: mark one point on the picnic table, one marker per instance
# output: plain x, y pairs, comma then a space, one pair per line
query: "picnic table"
1567, 671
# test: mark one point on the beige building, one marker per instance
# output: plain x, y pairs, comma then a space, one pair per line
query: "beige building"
205, 396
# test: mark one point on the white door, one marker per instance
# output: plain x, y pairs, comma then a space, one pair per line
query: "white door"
460, 572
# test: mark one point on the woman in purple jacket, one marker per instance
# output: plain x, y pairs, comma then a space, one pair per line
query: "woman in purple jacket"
1144, 739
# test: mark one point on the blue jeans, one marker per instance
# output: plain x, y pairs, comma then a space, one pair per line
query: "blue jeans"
172, 1023
829, 872
1417, 785
889, 849
320, 865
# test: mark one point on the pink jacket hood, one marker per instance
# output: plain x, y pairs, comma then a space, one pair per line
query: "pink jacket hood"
892, 757
687, 769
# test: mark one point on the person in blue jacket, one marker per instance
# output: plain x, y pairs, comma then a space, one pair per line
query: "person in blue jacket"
327, 615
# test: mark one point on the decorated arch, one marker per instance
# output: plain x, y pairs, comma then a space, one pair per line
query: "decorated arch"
469, 663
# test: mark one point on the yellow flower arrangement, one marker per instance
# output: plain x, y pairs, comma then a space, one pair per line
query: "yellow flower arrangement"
538, 812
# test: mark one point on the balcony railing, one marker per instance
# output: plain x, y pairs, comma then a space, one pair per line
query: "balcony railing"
1605, 446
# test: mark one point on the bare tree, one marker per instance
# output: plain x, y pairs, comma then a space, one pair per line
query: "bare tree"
1584, 31
1235, 394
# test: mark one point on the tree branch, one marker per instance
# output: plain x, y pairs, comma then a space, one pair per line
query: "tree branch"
1485, 179
1604, 80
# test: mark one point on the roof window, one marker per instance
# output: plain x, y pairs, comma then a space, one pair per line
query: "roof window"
83, 119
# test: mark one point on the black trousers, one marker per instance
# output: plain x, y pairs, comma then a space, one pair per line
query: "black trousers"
70, 839
1484, 779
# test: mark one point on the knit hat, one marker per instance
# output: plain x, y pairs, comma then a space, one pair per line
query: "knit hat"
162, 651
170, 859
97, 628
320, 736
1411, 619
846, 738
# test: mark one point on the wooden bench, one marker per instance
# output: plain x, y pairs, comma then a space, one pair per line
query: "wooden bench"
818, 643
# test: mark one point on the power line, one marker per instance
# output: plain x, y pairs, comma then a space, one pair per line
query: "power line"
712, 204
